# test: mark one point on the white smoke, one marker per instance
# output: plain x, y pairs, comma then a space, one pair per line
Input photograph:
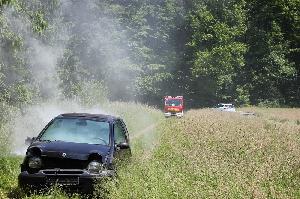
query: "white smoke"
43, 63
43, 56
35, 118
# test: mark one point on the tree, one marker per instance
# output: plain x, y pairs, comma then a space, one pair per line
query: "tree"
271, 65
217, 29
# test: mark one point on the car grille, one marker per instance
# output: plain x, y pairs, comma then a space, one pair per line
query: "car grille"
62, 180
63, 172
63, 163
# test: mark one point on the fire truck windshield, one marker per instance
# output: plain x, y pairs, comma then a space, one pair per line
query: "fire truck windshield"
173, 102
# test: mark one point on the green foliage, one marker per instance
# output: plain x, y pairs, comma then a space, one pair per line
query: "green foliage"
209, 51
9, 170
149, 83
16, 83
39, 22
243, 96
269, 104
152, 41
92, 92
5, 139
218, 50
271, 67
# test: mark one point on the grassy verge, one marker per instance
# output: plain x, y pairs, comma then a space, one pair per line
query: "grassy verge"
210, 154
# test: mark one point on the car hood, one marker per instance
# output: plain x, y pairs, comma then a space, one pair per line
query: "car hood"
70, 150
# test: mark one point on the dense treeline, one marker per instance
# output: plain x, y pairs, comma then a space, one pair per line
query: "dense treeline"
240, 51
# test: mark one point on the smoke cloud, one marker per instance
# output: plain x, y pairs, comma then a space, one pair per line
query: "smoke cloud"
80, 31
34, 119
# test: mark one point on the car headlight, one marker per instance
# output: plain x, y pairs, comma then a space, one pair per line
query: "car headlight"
95, 167
35, 162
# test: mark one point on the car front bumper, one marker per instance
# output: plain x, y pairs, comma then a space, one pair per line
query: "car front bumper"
80, 180
169, 114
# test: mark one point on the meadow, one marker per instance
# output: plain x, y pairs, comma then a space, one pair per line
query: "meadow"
205, 154
210, 154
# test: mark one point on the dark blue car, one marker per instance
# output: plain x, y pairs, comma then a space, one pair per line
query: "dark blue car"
74, 150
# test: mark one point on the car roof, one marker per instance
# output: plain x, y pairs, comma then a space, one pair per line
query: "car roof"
89, 116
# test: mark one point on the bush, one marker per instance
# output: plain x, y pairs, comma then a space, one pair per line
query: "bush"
269, 104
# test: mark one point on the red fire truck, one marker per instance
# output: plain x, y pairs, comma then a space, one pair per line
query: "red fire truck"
173, 106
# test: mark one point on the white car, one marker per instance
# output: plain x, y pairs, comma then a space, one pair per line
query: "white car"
225, 107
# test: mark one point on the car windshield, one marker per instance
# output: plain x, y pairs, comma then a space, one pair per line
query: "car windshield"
77, 131
173, 102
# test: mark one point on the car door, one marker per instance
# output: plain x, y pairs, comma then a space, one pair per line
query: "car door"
121, 139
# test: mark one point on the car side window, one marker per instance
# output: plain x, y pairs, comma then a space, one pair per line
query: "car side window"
120, 133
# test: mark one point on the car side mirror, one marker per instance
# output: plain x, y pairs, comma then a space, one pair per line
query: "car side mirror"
123, 145
29, 140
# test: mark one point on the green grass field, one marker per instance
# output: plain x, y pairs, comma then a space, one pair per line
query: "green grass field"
206, 154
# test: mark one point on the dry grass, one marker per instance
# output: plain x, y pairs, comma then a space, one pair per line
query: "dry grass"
245, 156
210, 154
207, 154
277, 114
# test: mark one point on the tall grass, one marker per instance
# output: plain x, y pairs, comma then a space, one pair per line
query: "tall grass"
210, 154
278, 114
206, 154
